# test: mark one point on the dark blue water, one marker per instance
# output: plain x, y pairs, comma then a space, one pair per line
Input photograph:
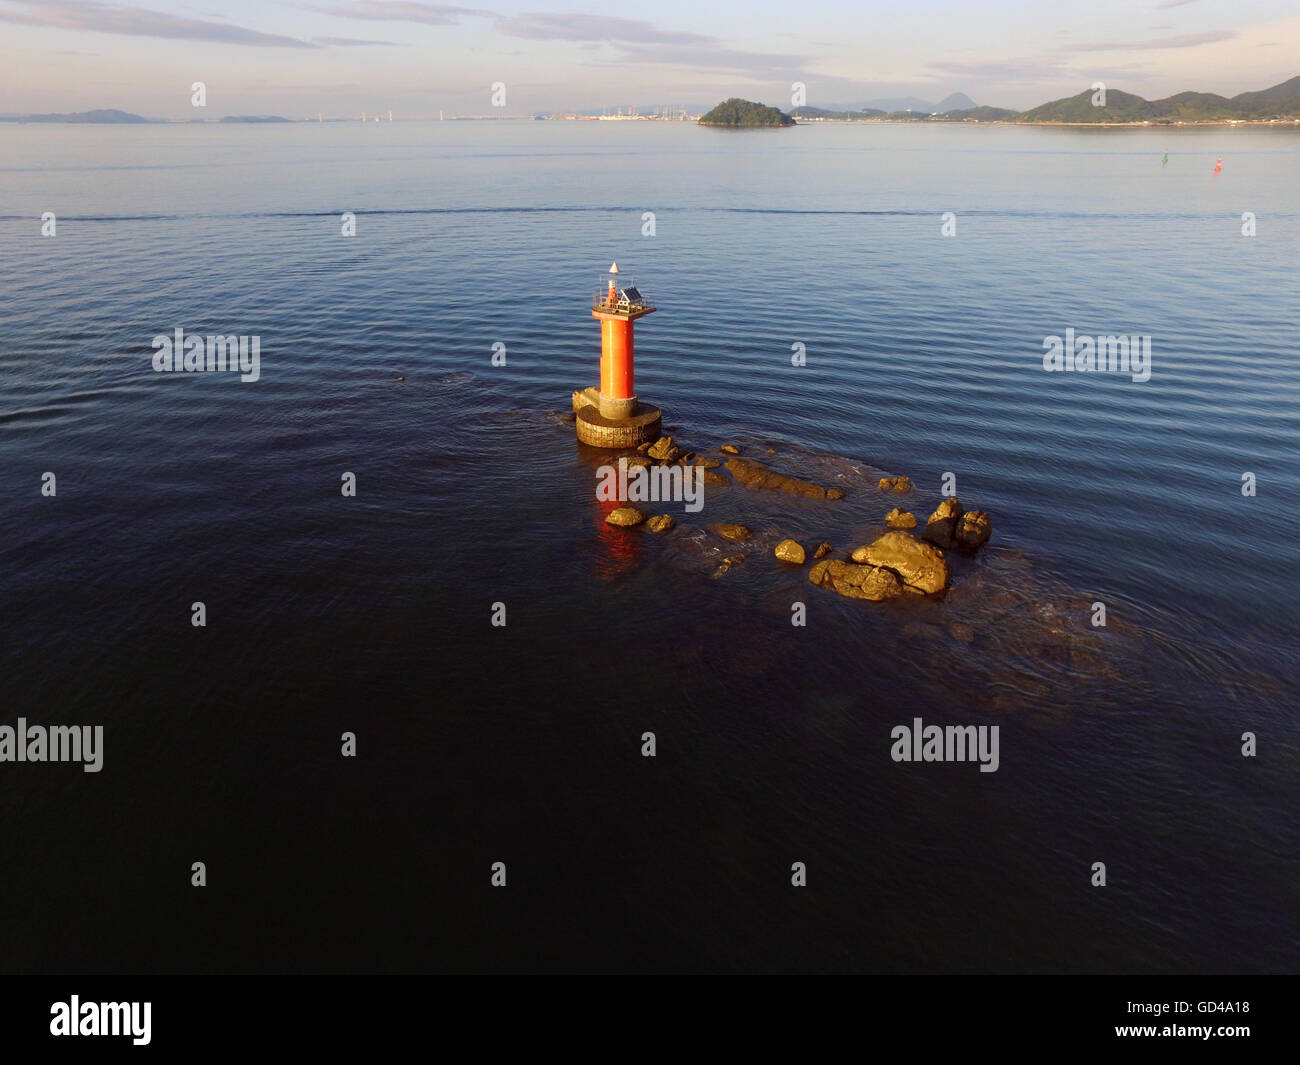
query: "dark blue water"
522, 744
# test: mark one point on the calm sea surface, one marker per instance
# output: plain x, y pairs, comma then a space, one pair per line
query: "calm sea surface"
521, 744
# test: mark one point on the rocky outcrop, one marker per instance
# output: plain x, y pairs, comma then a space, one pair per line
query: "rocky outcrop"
974, 530
895, 484
952, 527
664, 450
624, 516
921, 567
790, 551
730, 449
661, 523
942, 524
900, 519
730, 531
822, 549
755, 475
856, 582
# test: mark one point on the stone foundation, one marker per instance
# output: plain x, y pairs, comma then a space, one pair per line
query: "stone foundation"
594, 428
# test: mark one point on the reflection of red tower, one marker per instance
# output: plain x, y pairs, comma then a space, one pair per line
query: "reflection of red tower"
621, 306
621, 549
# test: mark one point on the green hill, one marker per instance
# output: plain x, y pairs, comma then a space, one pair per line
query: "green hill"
1281, 101
745, 114
1278, 102
843, 116
980, 114
1120, 107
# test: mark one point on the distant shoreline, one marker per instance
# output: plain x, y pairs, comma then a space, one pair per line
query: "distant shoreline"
226, 123
1072, 125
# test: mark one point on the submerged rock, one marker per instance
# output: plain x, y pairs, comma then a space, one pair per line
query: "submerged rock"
624, 516
730, 531
961, 632
661, 523
790, 551
727, 563
900, 519
921, 566
755, 475
834, 493
896, 484
707, 463
730, 449
715, 480
856, 582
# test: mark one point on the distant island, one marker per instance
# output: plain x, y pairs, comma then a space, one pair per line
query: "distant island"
112, 117
109, 117
1281, 103
745, 114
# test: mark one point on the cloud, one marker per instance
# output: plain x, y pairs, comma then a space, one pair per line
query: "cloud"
573, 26
642, 42
1004, 70
638, 40
353, 42
402, 11
1187, 40
714, 57
136, 22
1176, 3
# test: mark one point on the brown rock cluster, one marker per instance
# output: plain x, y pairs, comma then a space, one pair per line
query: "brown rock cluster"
952, 527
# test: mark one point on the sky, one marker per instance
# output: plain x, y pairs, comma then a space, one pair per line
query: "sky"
342, 57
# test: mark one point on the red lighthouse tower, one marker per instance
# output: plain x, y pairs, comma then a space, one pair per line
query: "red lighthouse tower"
612, 417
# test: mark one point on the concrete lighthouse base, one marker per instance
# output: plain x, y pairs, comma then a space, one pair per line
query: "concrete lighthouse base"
641, 426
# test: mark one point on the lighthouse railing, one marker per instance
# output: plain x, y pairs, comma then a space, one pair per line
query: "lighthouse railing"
601, 302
